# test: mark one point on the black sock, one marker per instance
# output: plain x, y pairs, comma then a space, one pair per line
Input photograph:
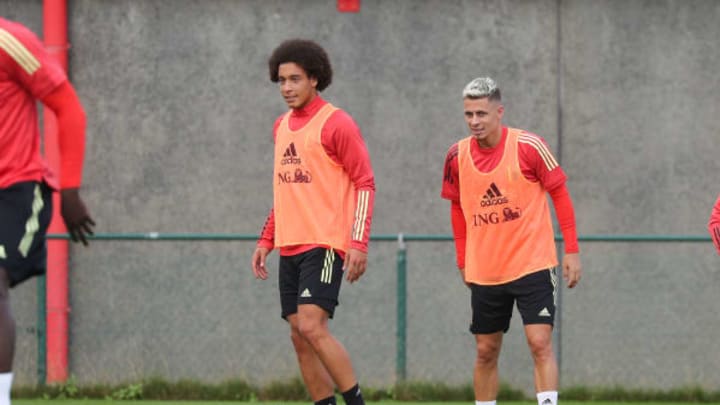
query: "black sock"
353, 396
327, 401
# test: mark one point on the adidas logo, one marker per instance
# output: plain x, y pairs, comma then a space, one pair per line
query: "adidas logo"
493, 196
290, 157
306, 293
544, 312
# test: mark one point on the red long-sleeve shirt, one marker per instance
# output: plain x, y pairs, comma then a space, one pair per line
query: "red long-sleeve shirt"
29, 73
343, 142
536, 164
714, 224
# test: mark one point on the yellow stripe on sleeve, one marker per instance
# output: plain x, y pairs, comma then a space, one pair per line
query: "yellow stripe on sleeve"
542, 150
361, 215
20, 54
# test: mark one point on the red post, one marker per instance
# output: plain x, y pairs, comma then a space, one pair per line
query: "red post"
55, 34
348, 6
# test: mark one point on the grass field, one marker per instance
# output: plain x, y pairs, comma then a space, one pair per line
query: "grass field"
110, 402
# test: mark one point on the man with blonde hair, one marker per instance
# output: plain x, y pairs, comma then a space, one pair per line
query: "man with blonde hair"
496, 180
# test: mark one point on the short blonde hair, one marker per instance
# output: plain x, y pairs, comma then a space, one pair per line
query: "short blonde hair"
482, 87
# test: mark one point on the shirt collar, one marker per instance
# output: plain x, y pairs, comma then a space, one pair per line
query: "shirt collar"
311, 108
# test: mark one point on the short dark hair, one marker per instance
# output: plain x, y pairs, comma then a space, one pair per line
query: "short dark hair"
308, 55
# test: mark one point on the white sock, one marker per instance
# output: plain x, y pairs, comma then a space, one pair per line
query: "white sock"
547, 398
485, 402
5, 384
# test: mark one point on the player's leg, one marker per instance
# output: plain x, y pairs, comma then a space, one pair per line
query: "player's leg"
485, 375
320, 281
7, 338
314, 328
536, 304
316, 378
25, 210
491, 312
539, 338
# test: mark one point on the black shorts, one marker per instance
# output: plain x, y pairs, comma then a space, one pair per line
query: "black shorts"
312, 277
25, 211
492, 305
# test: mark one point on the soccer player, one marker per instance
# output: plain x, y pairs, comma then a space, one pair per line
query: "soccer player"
323, 188
27, 74
714, 225
496, 180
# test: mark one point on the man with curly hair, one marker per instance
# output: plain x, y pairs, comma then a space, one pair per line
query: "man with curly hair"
323, 194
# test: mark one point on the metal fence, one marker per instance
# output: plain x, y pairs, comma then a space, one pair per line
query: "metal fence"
401, 278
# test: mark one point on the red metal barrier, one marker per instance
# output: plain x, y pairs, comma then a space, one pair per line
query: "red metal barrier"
348, 6
55, 34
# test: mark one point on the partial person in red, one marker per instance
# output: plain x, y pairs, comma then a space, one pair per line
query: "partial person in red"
714, 224
29, 74
496, 180
323, 195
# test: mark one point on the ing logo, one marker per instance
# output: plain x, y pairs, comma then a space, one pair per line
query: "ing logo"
510, 215
298, 176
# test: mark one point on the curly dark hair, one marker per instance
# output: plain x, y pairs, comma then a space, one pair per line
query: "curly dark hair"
308, 55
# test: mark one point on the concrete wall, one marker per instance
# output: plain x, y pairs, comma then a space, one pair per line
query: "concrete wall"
180, 112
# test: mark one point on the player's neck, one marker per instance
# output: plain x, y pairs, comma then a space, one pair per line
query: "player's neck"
308, 106
491, 140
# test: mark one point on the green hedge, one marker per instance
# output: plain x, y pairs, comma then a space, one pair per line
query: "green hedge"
294, 390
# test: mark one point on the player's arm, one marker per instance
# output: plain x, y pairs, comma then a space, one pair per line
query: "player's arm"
539, 164
266, 242
267, 235
457, 219
64, 102
264, 245
572, 268
26, 61
41, 76
714, 225
343, 142
566, 217
451, 191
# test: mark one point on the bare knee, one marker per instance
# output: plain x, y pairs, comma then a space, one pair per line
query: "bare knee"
541, 347
298, 341
487, 353
312, 324
300, 344
311, 330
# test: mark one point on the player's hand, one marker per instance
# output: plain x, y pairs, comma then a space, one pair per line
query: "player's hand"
355, 264
76, 216
572, 269
258, 263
